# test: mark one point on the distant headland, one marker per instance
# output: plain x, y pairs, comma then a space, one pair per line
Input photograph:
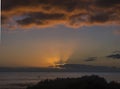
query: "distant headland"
62, 68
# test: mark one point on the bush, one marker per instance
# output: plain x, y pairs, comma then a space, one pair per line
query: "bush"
85, 82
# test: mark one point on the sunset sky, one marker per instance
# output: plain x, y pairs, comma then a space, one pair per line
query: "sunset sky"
42, 33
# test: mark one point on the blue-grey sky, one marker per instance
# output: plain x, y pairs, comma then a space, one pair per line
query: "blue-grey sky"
38, 47
40, 34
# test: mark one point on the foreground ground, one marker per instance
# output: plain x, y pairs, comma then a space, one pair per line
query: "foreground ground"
85, 82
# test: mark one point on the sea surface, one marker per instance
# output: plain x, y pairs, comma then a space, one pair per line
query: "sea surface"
20, 80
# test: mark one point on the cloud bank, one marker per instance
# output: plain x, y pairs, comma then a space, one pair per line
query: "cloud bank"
114, 56
72, 13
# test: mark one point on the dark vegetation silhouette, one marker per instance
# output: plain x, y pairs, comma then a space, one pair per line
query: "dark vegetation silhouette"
85, 82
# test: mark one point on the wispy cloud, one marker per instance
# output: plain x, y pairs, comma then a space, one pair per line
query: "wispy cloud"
117, 51
73, 13
114, 56
91, 59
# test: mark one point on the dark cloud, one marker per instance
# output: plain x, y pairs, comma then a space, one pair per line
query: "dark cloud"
13, 4
39, 18
114, 56
91, 59
74, 13
99, 17
3, 19
67, 5
107, 3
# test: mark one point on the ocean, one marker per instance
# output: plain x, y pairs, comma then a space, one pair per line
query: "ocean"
20, 80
